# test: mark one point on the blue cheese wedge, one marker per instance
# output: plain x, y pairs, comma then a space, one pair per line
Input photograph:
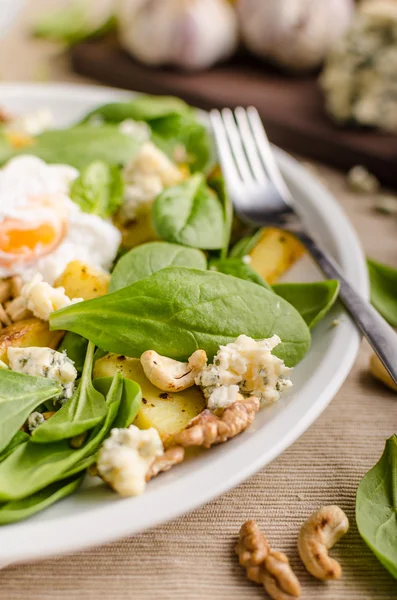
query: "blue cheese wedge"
45, 362
360, 75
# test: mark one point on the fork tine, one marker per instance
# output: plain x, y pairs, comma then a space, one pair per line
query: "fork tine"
225, 155
250, 145
236, 145
266, 151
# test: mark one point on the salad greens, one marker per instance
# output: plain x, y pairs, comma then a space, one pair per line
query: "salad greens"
190, 214
99, 189
238, 268
376, 507
177, 310
145, 260
311, 300
19, 396
384, 290
85, 409
75, 347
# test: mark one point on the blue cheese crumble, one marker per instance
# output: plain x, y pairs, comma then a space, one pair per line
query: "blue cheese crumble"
45, 362
126, 457
245, 366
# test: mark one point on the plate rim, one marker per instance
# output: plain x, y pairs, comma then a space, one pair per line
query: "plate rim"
71, 533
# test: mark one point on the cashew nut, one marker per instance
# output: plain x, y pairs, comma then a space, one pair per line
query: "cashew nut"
317, 535
171, 375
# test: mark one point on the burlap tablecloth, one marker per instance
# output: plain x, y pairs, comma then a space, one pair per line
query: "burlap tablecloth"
192, 557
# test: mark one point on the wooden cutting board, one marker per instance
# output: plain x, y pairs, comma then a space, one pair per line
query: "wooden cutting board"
291, 108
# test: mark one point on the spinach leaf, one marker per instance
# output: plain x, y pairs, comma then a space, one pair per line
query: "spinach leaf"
190, 214
71, 24
238, 268
376, 507
83, 144
145, 260
217, 183
19, 395
173, 124
85, 409
311, 300
32, 467
177, 311
245, 245
131, 399
19, 438
16, 510
99, 189
75, 347
384, 290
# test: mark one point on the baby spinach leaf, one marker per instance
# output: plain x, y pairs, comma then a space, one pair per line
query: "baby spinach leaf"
173, 124
311, 300
238, 268
75, 347
217, 183
19, 395
81, 145
16, 510
176, 311
32, 467
384, 290
376, 507
190, 214
85, 409
145, 260
131, 399
245, 245
19, 438
99, 189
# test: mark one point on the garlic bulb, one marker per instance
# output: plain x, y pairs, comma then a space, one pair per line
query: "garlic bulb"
190, 34
296, 34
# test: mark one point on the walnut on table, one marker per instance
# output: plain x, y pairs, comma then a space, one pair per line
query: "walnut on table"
265, 566
208, 429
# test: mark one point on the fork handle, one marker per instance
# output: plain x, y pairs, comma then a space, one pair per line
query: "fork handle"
378, 332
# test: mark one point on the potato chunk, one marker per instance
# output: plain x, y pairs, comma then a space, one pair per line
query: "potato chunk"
165, 411
274, 253
138, 231
81, 280
26, 333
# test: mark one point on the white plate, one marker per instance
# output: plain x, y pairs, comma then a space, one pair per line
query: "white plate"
95, 515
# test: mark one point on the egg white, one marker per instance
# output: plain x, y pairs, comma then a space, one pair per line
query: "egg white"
88, 238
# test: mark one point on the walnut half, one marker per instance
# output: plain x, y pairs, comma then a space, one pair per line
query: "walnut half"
208, 429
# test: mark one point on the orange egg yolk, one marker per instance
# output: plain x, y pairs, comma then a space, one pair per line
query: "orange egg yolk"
24, 241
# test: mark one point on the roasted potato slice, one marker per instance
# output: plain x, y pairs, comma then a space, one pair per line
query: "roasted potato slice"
139, 231
26, 333
165, 411
81, 280
274, 253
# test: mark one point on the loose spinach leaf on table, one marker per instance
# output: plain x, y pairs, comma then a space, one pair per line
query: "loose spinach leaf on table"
176, 311
99, 189
81, 145
85, 409
238, 268
19, 395
376, 507
32, 467
173, 124
311, 300
190, 214
384, 290
16, 510
145, 260
75, 347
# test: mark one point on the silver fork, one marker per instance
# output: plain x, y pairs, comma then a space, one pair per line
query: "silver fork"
261, 197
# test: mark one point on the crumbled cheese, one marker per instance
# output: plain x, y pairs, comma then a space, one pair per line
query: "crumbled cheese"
45, 362
42, 299
126, 456
247, 259
251, 366
136, 129
146, 176
359, 179
34, 420
221, 397
32, 123
360, 74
